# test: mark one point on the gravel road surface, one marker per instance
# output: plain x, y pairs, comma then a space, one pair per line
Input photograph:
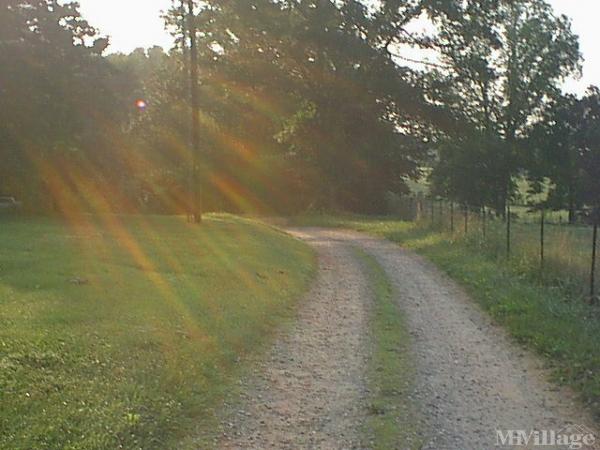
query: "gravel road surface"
471, 379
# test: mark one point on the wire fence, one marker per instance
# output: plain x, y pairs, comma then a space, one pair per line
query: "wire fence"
536, 241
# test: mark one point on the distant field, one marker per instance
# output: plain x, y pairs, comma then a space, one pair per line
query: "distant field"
548, 313
124, 332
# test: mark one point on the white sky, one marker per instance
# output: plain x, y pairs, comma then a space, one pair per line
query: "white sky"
138, 23
584, 15
129, 23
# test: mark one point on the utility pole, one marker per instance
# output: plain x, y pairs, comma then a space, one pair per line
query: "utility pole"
186, 71
195, 201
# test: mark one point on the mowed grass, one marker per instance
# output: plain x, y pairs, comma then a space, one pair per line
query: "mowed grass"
394, 418
125, 332
543, 313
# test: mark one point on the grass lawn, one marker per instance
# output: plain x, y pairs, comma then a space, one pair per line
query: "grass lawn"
124, 332
542, 314
393, 420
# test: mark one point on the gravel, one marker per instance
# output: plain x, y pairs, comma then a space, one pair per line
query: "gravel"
310, 390
471, 379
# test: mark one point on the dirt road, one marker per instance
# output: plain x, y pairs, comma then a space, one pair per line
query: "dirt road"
471, 380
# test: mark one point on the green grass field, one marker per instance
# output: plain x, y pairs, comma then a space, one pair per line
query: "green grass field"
544, 313
124, 332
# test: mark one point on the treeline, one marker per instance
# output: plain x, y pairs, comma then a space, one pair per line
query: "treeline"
304, 104
300, 106
502, 66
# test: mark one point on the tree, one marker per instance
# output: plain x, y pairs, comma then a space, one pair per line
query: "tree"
502, 64
590, 169
57, 100
317, 92
557, 155
156, 150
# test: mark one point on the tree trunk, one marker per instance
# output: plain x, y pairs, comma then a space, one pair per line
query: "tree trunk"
572, 215
432, 212
571, 200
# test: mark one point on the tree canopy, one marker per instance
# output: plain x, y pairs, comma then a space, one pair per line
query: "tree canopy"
302, 104
503, 62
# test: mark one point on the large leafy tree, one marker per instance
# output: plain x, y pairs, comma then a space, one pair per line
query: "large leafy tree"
502, 63
556, 158
566, 143
314, 91
589, 144
57, 98
303, 102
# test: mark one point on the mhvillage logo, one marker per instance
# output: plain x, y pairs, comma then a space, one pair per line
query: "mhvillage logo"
572, 437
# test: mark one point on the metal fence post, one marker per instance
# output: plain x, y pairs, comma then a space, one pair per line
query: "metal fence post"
542, 224
593, 271
508, 221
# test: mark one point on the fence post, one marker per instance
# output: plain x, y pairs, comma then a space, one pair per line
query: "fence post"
508, 220
452, 217
466, 208
542, 224
593, 271
483, 223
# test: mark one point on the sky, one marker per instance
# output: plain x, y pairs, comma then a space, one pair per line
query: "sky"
584, 16
138, 23
129, 23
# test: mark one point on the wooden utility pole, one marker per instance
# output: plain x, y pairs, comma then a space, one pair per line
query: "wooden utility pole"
186, 71
195, 203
